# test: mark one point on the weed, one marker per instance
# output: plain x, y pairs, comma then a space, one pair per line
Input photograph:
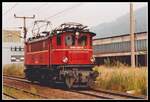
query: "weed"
122, 79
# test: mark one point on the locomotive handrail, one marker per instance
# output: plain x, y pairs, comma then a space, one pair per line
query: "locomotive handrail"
71, 26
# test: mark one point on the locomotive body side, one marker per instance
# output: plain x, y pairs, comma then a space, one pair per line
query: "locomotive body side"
37, 53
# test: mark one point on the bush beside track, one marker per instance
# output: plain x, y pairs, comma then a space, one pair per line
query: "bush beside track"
14, 70
124, 79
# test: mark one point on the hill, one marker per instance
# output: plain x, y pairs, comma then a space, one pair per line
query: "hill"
121, 25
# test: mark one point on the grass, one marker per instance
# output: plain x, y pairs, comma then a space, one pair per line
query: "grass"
18, 94
113, 63
123, 79
14, 70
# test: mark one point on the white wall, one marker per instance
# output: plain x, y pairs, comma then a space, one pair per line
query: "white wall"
6, 52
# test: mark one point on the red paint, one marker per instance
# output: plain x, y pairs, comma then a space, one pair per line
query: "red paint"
40, 52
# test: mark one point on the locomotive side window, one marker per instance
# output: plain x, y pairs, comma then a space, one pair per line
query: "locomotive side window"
59, 40
70, 40
36, 46
82, 40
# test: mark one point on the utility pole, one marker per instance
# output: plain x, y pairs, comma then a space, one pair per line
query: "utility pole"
24, 24
132, 25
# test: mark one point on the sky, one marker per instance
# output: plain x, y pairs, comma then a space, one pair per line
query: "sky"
86, 13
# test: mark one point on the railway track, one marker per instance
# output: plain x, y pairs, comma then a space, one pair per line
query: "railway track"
16, 78
98, 93
120, 94
8, 76
24, 81
8, 96
24, 91
108, 94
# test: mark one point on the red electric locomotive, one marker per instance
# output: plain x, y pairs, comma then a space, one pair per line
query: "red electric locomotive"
62, 55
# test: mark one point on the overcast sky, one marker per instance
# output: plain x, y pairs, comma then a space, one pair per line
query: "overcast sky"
86, 13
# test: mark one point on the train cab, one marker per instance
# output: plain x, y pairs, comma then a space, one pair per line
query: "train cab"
73, 47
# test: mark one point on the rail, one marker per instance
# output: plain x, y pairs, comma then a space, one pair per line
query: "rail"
98, 93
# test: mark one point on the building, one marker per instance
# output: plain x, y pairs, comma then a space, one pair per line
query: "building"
113, 48
12, 47
118, 48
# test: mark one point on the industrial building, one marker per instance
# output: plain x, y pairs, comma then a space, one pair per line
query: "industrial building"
12, 47
113, 48
118, 48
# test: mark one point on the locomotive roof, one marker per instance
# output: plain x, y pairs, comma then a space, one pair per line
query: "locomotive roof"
58, 32
40, 38
72, 27
65, 27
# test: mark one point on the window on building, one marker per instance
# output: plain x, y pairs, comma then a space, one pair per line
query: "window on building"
15, 48
19, 48
11, 49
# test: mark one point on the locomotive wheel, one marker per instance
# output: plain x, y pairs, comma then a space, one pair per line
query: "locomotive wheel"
69, 82
29, 75
43, 79
90, 83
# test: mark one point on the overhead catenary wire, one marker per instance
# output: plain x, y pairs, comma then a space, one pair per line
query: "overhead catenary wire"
42, 5
69, 8
10, 9
38, 8
34, 9
60, 12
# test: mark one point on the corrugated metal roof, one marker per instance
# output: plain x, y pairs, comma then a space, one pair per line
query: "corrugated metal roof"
118, 36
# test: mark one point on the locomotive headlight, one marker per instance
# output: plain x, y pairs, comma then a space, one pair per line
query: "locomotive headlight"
65, 59
92, 59
77, 33
58, 32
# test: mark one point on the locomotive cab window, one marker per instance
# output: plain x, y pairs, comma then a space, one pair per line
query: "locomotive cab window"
70, 40
58, 39
82, 41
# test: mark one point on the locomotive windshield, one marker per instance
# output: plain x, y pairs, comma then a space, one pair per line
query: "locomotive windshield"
82, 40
70, 40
